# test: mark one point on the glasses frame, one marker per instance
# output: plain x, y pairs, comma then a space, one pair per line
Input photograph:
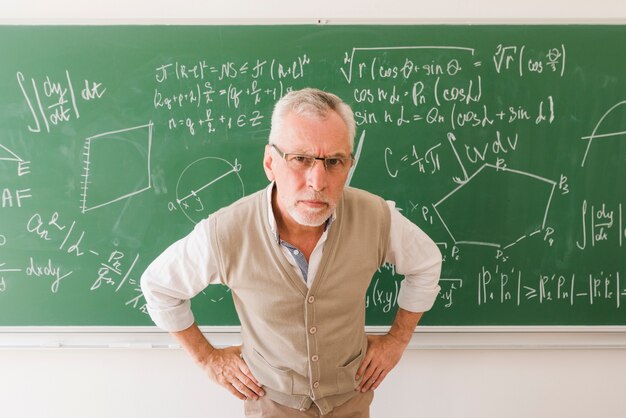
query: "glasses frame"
284, 156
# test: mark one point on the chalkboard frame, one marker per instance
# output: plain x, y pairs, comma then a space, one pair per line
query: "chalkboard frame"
424, 337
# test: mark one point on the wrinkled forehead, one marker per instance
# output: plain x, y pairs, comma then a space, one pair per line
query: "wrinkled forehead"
314, 132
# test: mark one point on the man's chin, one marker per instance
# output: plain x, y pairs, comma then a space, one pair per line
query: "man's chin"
310, 217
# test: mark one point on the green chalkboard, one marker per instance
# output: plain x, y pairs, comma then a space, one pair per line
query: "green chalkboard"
506, 144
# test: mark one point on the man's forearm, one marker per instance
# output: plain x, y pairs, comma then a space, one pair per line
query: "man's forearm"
404, 324
194, 343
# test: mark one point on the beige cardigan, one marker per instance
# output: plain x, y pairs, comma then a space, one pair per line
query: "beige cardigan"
303, 345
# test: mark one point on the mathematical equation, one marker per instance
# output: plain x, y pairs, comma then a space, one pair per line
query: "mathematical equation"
219, 91
601, 225
511, 286
55, 101
437, 90
114, 270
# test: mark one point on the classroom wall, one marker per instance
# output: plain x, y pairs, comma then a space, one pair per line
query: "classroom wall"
447, 383
114, 383
332, 10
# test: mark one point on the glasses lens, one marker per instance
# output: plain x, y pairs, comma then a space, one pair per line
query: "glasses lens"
300, 162
335, 164
305, 162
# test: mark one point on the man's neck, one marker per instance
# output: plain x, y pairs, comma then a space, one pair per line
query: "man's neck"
301, 236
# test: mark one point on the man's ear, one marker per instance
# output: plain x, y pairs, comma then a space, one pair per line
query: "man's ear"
267, 163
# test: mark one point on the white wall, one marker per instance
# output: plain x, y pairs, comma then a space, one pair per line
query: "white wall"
154, 383
160, 383
368, 10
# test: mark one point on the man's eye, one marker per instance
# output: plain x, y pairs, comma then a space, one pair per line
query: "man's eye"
300, 159
334, 162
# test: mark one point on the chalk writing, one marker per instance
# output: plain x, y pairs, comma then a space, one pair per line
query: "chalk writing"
599, 224
55, 99
22, 167
14, 197
4, 270
115, 272
47, 270
517, 58
71, 239
426, 162
448, 290
511, 286
216, 92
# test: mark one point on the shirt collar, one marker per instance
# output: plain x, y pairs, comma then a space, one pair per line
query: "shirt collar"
272, 219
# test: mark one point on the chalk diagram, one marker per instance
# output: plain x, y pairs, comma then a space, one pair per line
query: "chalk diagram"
611, 122
495, 206
203, 187
116, 166
216, 292
8, 155
206, 185
22, 166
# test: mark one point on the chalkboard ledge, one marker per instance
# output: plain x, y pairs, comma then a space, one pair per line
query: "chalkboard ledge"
425, 338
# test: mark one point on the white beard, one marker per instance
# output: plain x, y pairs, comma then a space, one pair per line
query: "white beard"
312, 218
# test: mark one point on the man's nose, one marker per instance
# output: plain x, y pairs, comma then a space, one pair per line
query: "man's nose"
317, 176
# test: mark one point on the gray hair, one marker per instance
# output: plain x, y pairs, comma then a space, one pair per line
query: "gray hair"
312, 102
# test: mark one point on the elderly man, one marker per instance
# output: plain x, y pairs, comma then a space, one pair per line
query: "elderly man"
298, 257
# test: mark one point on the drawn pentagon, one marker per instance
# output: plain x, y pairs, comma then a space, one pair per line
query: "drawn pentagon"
496, 207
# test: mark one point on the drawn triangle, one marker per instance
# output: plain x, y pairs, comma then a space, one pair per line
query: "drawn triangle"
8, 155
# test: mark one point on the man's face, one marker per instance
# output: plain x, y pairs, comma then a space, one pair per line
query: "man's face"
309, 196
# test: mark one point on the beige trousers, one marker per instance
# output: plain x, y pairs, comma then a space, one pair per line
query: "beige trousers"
357, 407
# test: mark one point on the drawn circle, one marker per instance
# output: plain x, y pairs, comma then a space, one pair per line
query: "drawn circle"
207, 185
3, 240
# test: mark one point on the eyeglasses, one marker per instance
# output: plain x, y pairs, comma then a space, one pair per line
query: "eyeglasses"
303, 162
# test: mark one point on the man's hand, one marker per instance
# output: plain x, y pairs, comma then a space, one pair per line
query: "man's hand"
223, 366
383, 353
227, 368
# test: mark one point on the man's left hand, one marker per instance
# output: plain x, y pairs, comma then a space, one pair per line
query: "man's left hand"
383, 353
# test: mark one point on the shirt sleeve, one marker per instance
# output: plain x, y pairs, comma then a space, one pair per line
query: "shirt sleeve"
416, 257
181, 272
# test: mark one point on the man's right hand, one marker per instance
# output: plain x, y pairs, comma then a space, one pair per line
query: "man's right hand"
223, 366
227, 368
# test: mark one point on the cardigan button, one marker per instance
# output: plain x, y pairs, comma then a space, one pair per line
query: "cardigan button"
316, 385
313, 330
315, 357
311, 299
